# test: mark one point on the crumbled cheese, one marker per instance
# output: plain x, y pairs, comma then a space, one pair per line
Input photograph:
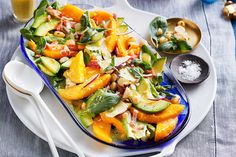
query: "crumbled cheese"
189, 70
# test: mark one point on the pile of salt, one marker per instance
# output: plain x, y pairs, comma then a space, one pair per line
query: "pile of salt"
189, 70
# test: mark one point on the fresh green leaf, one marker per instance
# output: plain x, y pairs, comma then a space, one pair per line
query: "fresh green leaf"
86, 38
155, 24
85, 21
183, 45
157, 79
39, 41
27, 33
57, 82
167, 46
53, 38
153, 90
55, 5
86, 58
41, 8
137, 72
101, 101
143, 65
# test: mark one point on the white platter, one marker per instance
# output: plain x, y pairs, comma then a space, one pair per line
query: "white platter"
201, 98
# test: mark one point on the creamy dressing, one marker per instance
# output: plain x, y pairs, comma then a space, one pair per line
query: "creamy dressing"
23, 9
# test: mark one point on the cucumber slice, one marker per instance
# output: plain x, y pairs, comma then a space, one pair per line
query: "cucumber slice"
150, 106
122, 29
146, 58
159, 65
45, 70
45, 27
66, 64
51, 64
30, 54
120, 21
97, 36
86, 119
39, 20
118, 109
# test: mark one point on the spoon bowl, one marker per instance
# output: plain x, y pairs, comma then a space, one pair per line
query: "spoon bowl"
22, 77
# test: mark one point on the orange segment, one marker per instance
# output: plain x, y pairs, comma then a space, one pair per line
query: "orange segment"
114, 121
163, 129
77, 69
73, 12
170, 112
79, 92
102, 130
90, 71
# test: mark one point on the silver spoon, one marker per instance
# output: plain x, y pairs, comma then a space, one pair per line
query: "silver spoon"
24, 79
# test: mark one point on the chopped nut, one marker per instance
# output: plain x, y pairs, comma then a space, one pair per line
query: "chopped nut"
63, 59
59, 34
114, 77
123, 82
163, 40
69, 83
159, 31
175, 100
181, 23
113, 86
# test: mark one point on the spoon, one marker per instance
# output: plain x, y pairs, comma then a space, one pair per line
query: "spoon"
25, 80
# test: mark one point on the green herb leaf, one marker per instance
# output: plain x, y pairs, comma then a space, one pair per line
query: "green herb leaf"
157, 23
143, 65
86, 58
183, 45
85, 21
55, 5
137, 72
101, 101
41, 8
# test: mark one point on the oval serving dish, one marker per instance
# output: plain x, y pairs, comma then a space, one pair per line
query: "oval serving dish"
128, 144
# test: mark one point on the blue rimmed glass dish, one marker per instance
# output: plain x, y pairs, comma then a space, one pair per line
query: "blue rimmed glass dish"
129, 144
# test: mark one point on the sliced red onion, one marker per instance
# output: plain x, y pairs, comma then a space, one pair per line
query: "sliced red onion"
90, 80
156, 99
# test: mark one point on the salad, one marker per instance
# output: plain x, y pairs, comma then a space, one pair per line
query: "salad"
111, 80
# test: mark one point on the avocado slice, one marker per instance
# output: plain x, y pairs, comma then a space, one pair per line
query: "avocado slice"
85, 118
45, 70
144, 88
159, 65
51, 64
45, 27
145, 133
150, 106
39, 20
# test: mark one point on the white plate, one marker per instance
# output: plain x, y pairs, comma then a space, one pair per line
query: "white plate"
201, 98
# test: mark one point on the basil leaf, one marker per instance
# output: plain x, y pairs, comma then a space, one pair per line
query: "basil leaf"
53, 38
183, 45
101, 101
41, 8
155, 24
143, 65
85, 21
137, 72
26, 33
167, 46
55, 5
39, 41
86, 58
157, 80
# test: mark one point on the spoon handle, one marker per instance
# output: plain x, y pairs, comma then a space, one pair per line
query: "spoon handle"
46, 130
41, 103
